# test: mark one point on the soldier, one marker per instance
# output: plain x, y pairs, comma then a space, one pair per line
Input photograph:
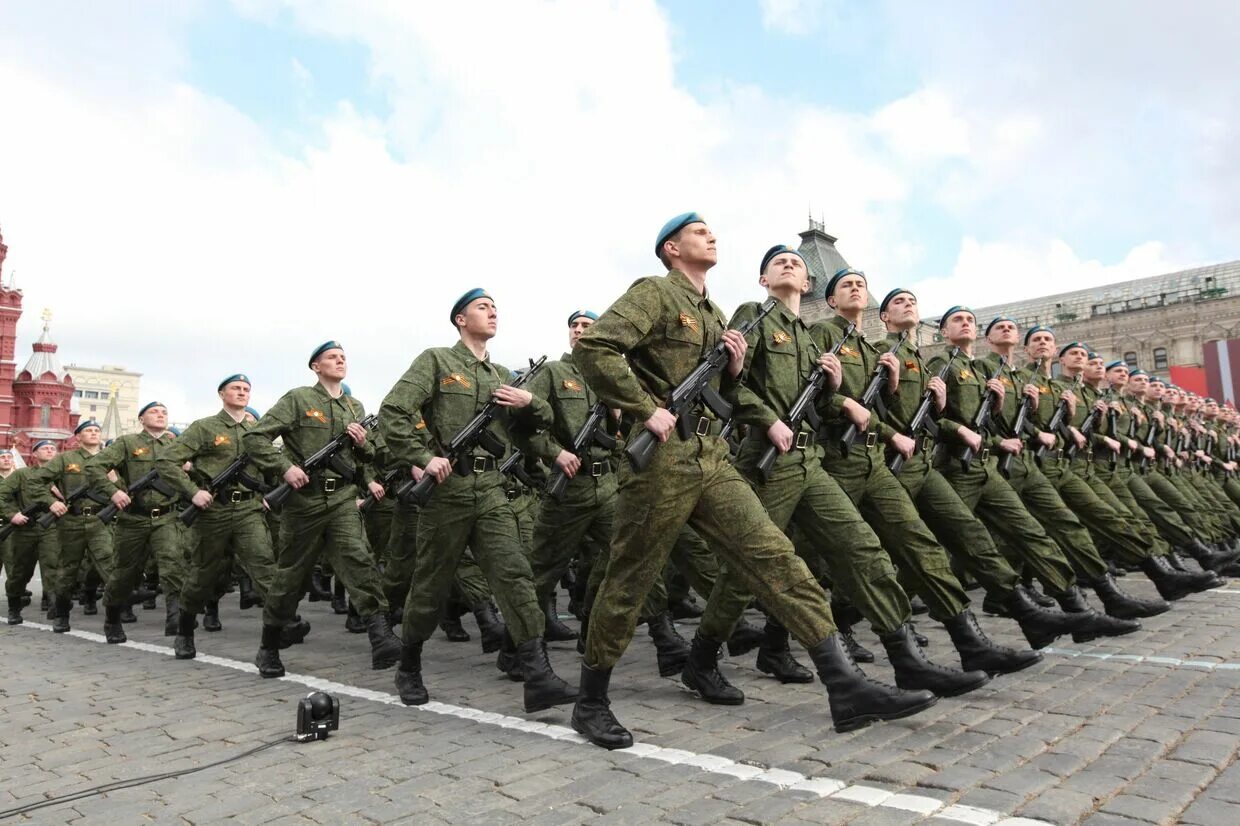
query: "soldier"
146, 524
231, 523
85, 542
798, 492
22, 499
322, 510
438, 395
646, 343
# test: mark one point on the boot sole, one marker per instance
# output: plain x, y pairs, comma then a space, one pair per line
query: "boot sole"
861, 722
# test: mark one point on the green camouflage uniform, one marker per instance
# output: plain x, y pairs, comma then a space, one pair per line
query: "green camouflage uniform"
648, 341
323, 513
437, 396
232, 526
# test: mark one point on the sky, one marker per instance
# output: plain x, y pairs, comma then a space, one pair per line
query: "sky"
205, 187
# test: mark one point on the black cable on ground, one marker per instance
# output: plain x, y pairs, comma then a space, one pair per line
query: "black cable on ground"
117, 785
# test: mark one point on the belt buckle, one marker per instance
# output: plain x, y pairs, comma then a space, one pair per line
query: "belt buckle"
703, 427
596, 469
329, 485
235, 498
155, 512
480, 464
802, 440
871, 439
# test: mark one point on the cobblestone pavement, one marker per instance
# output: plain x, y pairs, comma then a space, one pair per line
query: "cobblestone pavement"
1140, 729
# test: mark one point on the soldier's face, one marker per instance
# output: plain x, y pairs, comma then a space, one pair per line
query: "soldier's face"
481, 319
851, 293
156, 418
236, 394
786, 271
579, 326
902, 312
1041, 345
694, 245
45, 454
331, 364
90, 437
1003, 332
961, 328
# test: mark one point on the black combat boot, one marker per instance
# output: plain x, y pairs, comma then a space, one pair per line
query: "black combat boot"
914, 670
670, 648
268, 659
1040, 625
183, 643
775, 657
490, 626
385, 646
543, 687
172, 615
1099, 625
15, 611
409, 675
978, 652
701, 673
452, 628
855, 699
1171, 584
745, 638
556, 631
113, 631
592, 717
340, 597
63, 606
1123, 605
249, 597
211, 616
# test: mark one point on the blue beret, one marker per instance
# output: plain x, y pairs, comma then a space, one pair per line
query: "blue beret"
672, 227
464, 301
1071, 345
1037, 328
174, 430
882, 308
85, 423
590, 314
41, 443
999, 318
321, 349
835, 279
1117, 363
253, 412
778, 249
1137, 372
959, 308
148, 406
237, 377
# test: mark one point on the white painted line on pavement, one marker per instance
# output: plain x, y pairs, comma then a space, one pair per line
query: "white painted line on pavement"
1172, 662
713, 763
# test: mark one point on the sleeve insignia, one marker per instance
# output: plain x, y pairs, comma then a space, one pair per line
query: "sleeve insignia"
689, 321
571, 384
315, 413
222, 439
73, 468
141, 451
780, 337
454, 378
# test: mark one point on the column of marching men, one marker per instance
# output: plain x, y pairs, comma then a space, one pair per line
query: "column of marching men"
816, 473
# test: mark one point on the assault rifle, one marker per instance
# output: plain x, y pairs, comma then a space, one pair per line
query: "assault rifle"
328, 456
147, 481
921, 419
590, 435
84, 492
475, 434
30, 513
694, 391
235, 472
981, 422
804, 409
869, 398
